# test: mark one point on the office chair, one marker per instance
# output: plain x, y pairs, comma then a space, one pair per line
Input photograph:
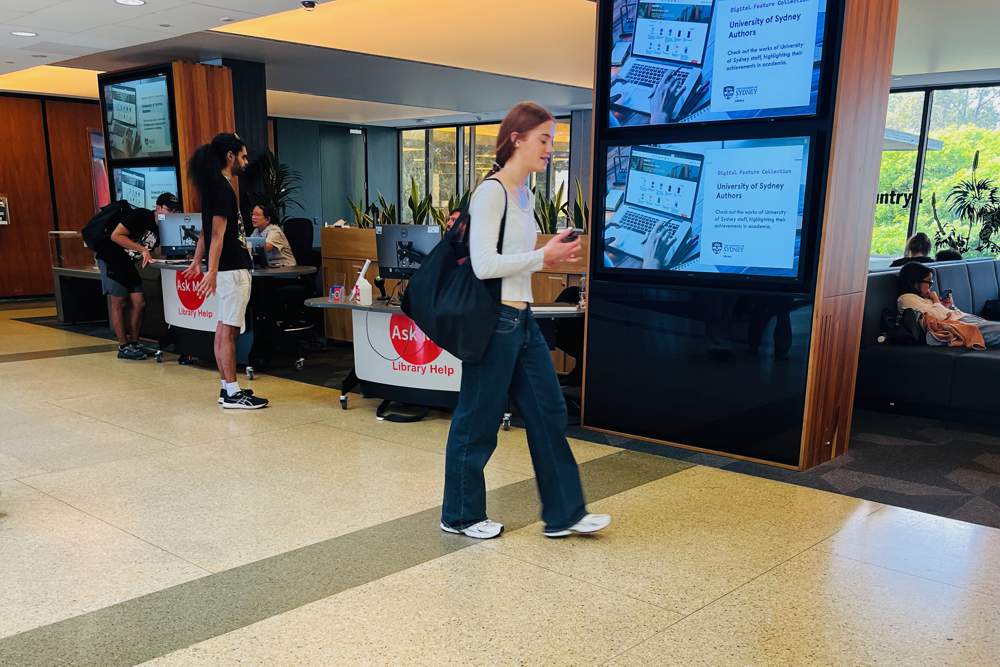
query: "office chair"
289, 318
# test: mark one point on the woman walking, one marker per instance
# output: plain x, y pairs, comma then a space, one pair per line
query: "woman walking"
517, 363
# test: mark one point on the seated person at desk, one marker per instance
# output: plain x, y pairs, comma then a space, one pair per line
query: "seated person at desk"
918, 249
135, 236
915, 283
276, 247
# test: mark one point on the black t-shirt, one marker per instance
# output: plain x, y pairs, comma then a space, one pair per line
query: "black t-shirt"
220, 200
906, 260
142, 229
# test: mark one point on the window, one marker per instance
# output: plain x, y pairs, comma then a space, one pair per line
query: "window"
431, 157
412, 165
896, 176
443, 169
962, 122
559, 168
484, 152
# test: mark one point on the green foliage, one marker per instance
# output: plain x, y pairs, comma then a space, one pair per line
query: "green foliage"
548, 211
275, 184
364, 218
377, 213
420, 207
943, 170
581, 210
455, 203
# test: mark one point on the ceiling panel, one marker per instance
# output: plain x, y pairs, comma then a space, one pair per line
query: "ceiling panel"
314, 107
551, 40
190, 18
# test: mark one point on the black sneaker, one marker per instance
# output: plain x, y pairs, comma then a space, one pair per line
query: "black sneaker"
130, 352
223, 394
243, 400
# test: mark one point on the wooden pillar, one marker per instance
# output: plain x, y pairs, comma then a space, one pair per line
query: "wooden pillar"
868, 37
203, 102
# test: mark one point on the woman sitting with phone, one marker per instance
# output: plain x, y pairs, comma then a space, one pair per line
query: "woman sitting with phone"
916, 282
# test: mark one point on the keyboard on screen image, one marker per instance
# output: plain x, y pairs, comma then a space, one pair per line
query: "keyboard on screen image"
650, 75
644, 224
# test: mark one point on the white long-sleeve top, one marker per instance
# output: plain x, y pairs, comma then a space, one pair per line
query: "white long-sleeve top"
519, 258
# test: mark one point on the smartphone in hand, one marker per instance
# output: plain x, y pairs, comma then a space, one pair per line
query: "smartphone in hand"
572, 236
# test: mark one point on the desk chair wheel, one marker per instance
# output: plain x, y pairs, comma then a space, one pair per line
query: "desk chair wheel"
299, 363
505, 424
249, 372
343, 401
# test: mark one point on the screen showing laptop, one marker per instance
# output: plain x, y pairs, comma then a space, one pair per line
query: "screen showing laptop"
672, 30
663, 180
179, 234
696, 61
729, 208
140, 186
138, 118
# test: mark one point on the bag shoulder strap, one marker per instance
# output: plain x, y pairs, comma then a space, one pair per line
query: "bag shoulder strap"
503, 219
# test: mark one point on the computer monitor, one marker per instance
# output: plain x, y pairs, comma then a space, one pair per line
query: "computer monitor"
137, 116
402, 248
179, 234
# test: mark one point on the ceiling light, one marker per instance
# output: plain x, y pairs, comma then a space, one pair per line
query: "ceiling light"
166, 25
131, 3
24, 33
226, 19
39, 55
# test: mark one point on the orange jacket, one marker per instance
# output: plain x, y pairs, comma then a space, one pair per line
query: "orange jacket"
955, 333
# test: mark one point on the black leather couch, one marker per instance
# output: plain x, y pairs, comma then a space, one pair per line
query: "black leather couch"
928, 380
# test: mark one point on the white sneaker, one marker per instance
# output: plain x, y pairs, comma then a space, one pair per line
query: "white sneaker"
591, 523
484, 530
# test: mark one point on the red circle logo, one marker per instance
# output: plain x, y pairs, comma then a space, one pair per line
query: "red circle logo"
410, 342
187, 291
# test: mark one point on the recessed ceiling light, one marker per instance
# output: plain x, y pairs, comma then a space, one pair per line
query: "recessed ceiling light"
39, 55
24, 33
166, 25
226, 19
131, 3
10, 62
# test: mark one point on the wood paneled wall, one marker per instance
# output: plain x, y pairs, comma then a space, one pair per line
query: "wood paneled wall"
203, 100
24, 179
859, 124
69, 144
69, 147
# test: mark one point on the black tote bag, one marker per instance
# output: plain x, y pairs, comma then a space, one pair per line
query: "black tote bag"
456, 310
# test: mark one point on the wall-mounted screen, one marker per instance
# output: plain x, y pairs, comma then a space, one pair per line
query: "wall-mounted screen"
138, 118
692, 61
140, 186
721, 207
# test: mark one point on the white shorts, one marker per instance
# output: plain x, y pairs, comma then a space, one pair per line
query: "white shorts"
233, 289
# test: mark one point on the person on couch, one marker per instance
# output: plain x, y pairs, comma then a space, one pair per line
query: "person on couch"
918, 249
942, 319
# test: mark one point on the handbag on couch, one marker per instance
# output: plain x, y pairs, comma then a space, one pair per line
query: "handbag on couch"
901, 328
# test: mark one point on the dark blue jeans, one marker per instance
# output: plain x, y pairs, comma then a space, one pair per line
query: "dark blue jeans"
517, 364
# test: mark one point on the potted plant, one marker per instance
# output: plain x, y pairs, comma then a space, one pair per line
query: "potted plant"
455, 203
275, 184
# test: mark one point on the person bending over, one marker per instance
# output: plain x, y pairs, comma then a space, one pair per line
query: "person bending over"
213, 168
276, 247
916, 283
134, 238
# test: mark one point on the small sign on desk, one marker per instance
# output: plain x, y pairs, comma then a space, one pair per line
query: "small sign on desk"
4, 210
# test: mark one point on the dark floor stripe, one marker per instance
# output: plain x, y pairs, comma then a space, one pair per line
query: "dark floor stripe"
159, 623
49, 354
27, 304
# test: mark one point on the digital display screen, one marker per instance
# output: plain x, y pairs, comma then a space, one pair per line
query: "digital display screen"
719, 207
692, 61
138, 118
140, 186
